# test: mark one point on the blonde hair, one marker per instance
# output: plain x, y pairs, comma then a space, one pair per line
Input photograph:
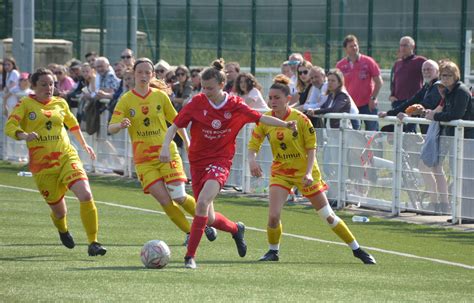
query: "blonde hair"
450, 67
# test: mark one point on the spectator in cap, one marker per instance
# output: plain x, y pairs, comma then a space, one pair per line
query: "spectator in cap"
161, 68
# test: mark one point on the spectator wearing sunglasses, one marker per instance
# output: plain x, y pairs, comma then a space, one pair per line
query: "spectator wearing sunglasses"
196, 82
64, 83
293, 61
303, 84
128, 58
161, 68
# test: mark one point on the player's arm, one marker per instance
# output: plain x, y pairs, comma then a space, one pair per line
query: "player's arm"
184, 135
255, 169
76, 131
165, 148
116, 127
308, 175
272, 121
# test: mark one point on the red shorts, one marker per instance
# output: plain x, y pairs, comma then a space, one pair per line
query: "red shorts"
218, 171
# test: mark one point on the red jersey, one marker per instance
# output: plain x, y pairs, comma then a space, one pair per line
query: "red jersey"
214, 128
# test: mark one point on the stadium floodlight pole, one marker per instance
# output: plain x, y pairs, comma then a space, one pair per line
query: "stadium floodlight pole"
24, 33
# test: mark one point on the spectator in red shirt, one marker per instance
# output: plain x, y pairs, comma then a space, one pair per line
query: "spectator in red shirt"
217, 118
362, 79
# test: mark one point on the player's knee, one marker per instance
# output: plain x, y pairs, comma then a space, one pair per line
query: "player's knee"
177, 192
85, 196
327, 214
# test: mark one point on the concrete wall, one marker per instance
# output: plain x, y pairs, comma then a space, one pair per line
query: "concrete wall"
46, 51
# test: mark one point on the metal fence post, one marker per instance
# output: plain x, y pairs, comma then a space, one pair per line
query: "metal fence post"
219, 28
54, 17
462, 37
187, 58
327, 52
102, 26
458, 155
78, 29
129, 24
253, 55
342, 3
397, 172
415, 19
289, 26
340, 174
370, 28
157, 30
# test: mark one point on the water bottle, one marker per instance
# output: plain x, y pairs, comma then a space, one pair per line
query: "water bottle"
25, 174
258, 185
360, 219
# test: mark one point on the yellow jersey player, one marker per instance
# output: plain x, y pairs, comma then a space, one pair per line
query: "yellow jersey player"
39, 119
145, 111
294, 164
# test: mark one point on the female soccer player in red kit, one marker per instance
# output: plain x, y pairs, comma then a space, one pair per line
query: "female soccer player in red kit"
216, 120
294, 164
39, 119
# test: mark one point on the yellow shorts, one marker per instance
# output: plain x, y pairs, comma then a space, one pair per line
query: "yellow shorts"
53, 186
287, 183
151, 172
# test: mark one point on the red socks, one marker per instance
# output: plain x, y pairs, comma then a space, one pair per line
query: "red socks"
224, 224
197, 230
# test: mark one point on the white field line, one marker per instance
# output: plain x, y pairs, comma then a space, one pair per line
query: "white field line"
263, 230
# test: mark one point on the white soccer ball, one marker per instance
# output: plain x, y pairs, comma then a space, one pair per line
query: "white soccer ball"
155, 254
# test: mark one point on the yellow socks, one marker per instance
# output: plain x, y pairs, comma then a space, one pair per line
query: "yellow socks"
177, 216
274, 236
61, 224
189, 205
343, 232
89, 219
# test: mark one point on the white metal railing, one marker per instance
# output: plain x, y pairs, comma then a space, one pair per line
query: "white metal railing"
372, 169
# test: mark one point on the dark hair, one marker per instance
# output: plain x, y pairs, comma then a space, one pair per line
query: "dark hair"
249, 79
215, 71
236, 65
281, 82
90, 54
144, 60
349, 38
338, 74
195, 70
4, 72
184, 69
38, 73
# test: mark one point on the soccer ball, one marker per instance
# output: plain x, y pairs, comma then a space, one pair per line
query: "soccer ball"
155, 254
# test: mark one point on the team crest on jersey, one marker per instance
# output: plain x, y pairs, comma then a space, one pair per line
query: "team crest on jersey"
49, 125
158, 107
32, 116
132, 112
280, 135
311, 130
283, 146
227, 115
146, 121
145, 110
216, 124
294, 134
47, 113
